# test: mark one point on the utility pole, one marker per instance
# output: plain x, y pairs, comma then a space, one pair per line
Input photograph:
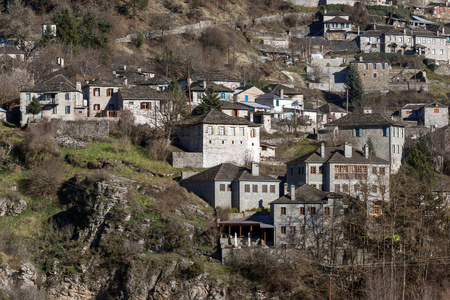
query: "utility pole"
347, 101
317, 120
330, 276
189, 88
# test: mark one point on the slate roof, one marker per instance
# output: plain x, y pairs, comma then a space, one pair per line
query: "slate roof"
198, 87
158, 79
338, 20
330, 107
373, 33
276, 88
115, 82
263, 219
233, 105
227, 172
213, 76
306, 194
217, 117
58, 83
363, 120
141, 92
336, 155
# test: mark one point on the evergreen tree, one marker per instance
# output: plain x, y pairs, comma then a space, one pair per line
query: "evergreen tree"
210, 100
67, 28
34, 107
355, 87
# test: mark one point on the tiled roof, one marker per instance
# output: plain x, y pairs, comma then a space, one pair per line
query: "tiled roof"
363, 120
217, 117
141, 92
233, 105
330, 107
227, 172
306, 194
198, 86
336, 155
58, 83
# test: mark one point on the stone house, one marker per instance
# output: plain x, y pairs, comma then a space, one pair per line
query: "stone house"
235, 109
386, 137
4, 114
59, 98
102, 98
157, 82
229, 186
343, 169
267, 150
374, 74
286, 91
214, 138
336, 26
371, 41
247, 94
330, 112
430, 115
304, 216
146, 104
277, 104
199, 88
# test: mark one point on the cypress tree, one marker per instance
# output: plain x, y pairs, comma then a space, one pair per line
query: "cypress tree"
210, 100
34, 107
355, 87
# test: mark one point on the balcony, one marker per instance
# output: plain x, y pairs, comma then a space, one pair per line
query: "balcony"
49, 101
110, 113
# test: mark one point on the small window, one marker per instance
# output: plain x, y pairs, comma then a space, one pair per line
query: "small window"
375, 75
302, 229
222, 187
374, 66
146, 105
374, 170
313, 185
247, 188
96, 106
436, 110
383, 66
221, 130
55, 109
327, 211
302, 211
67, 110
28, 97
255, 188
210, 130
283, 211
367, 66
109, 92
67, 96
385, 131
253, 133
313, 170
345, 188
292, 230
97, 92
233, 131
320, 170
299, 170
382, 170
312, 210
272, 188
337, 188
264, 188
357, 132
241, 130
377, 210
283, 231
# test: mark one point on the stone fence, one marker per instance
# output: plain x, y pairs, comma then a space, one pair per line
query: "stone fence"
81, 128
187, 159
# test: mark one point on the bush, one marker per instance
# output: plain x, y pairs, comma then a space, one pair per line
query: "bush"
98, 176
171, 199
194, 270
122, 144
38, 146
158, 149
47, 178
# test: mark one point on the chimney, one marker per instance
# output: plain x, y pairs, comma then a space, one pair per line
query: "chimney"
322, 150
281, 93
348, 150
360, 58
292, 192
124, 67
255, 169
374, 26
443, 30
404, 30
359, 30
285, 188
125, 82
204, 84
139, 69
437, 33
114, 72
79, 86
366, 151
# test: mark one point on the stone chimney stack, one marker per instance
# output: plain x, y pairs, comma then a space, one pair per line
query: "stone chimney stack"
255, 169
348, 150
292, 192
374, 26
204, 84
285, 188
139, 69
79, 86
124, 67
281, 93
125, 82
322, 150
360, 58
404, 30
366, 151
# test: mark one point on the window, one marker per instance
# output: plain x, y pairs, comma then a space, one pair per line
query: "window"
313, 170
233, 131
375, 75
210, 130
222, 187
429, 41
321, 187
292, 230
385, 131
409, 40
356, 187
374, 189
292, 171
221, 130
347, 25
264, 188
67, 110
55, 109
253, 133
109, 92
241, 130
374, 170
345, 188
441, 52
320, 170
383, 66
96, 106
302, 229
302, 211
97, 92
374, 66
67, 96
436, 110
312, 210
433, 51
327, 211
146, 105
357, 132
424, 40
272, 188
376, 210
28, 96
337, 188
393, 148
400, 39
283, 211
398, 148
313, 185
299, 170
255, 188
382, 170
342, 25
367, 66
247, 188
434, 41
229, 188
283, 231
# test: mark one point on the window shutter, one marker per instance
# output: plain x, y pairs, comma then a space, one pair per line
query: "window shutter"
359, 131
354, 132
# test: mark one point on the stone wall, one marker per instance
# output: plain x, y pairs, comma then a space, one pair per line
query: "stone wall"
81, 128
408, 86
187, 159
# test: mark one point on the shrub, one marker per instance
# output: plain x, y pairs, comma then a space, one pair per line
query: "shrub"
171, 199
47, 178
38, 146
122, 144
194, 270
98, 176
158, 149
